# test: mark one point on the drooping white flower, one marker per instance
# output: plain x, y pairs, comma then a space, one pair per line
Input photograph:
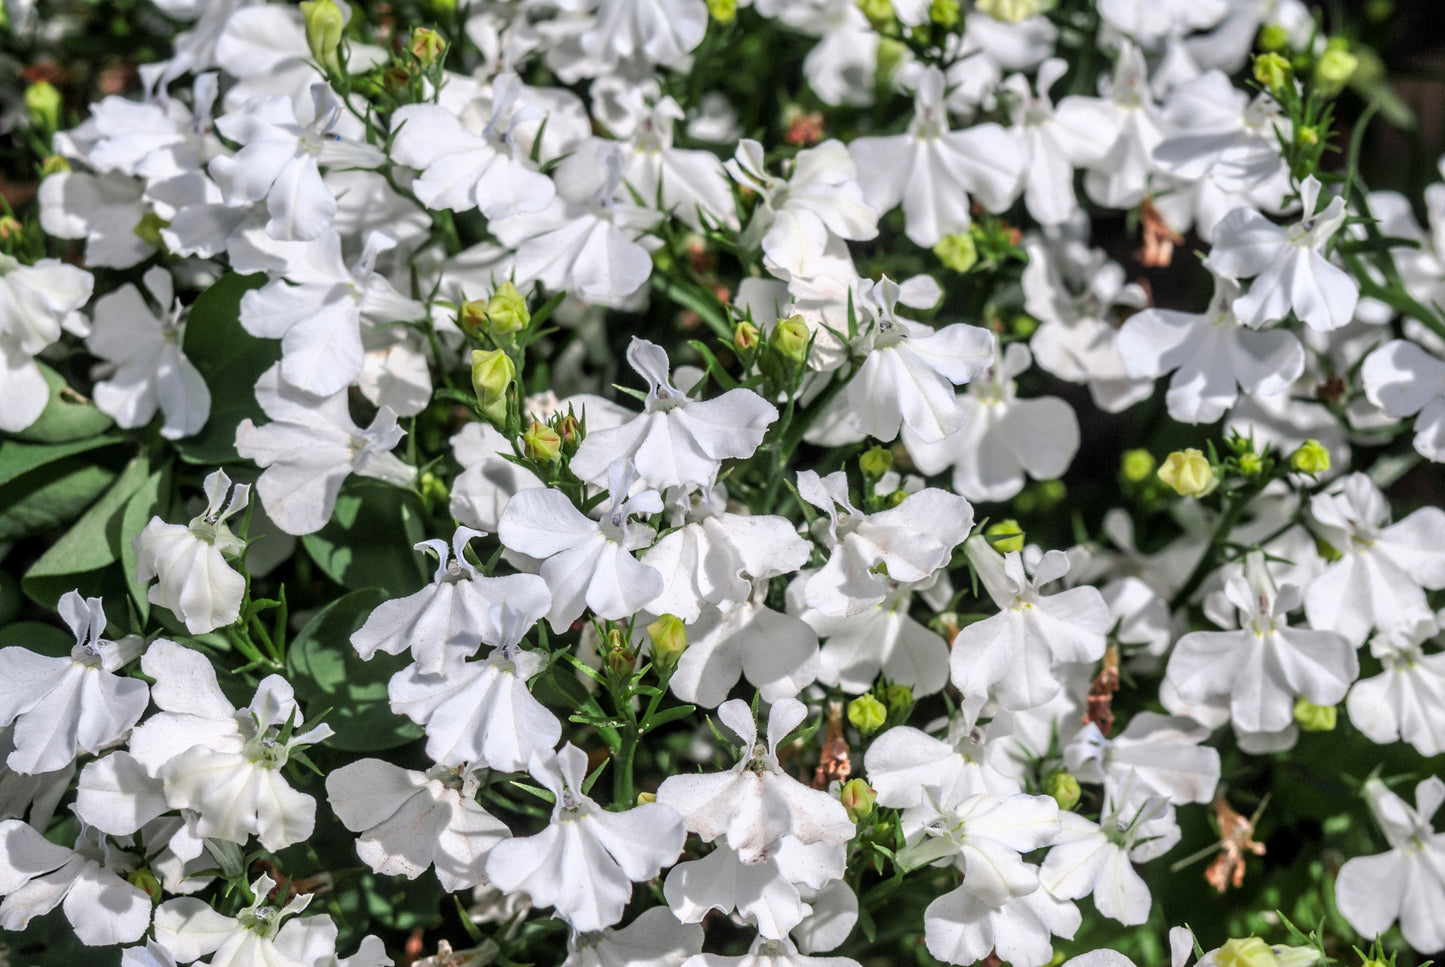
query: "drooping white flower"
912, 540
310, 449
196, 581
280, 160
410, 820
1407, 883
754, 804
586, 563
36, 794
450, 617
1011, 656
1379, 579
62, 707
769, 953
36, 301
1407, 700
222, 762
89, 883
1265, 664
1404, 380
1289, 265
933, 171
586, 860
675, 441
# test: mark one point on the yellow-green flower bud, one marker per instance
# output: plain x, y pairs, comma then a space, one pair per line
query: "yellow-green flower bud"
1188, 472
790, 338
669, 640
1335, 68
1307, 136
10, 227
147, 881
148, 229
1005, 536
427, 46
325, 21
878, 12
433, 489
493, 372
1137, 465
643, 798
541, 442
43, 101
900, 701
1249, 952
1315, 718
1024, 325
858, 798
1010, 11
875, 462
1311, 458
945, 13
867, 714
507, 311
958, 251
1273, 37
745, 336
1296, 956
619, 658
472, 316
53, 165
1272, 71
1064, 789
723, 11
1250, 464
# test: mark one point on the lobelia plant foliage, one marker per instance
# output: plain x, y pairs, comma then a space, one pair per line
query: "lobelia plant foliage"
844, 552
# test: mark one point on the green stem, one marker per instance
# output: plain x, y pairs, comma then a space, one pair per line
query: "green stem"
1216, 543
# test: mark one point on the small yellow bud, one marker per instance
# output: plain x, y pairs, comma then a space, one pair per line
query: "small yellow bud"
569, 428
867, 714
1311, 458
1005, 536
472, 316
945, 13
723, 11
1272, 71
10, 227
148, 229
325, 20
53, 165
433, 489
507, 311
1273, 37
1064, 789
643, 798
1250, 464
900, 701
875, 462
1307, 136
493, 373
427, 46
1137, 465
1024, 325
745, 336
790, 338
669, 640
858, 798
43, 101
541, 442
958, 251
878, 12
1249, 952
1188, 472
1010, 11
1315, 718
1335, 68
147, 881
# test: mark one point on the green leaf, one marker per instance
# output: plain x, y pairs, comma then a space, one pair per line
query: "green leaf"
92, 543
231, 360
368, 541
39, 637
328, 673
50, 497
144, 504
67, 416
18, 458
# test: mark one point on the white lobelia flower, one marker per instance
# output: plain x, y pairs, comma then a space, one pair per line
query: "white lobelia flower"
88, 883
259, 933
1098, 859
1263, 665
754, 804
655, 31
910, 541
586, 860
675, 441
1055, 140
654, 939
1002, 438
933, 171
410, 820
1407, 700
448, 618
766, 952
37, 794
902, 761
1151, 21
689, 185
222, 762
62, 707
1379, 579
196, 580
319, 320
908, 377
586, 563
962, 928
1213, 355
1123, 177
1407, 883
776, 652
1011, 656
461, 170
1289, 265
36, 301
480, 712
796, 218
1163, 753
1404, 380
143, 368
768, 892
280, 161
311, 448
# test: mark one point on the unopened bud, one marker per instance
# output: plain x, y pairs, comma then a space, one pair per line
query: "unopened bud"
1248, 952
1024, 325
745, 336
148, 229
569, 428
723, 11
958, 251
472, 316
541, 442
875, 462
10, 227
900, 701
507, 311
1064, 789
1307, 136
42, 100
1005, 536
945, 13
1273, 37
858, 798
1311, 458
427, 46
1315, 718
1272, 71
878, 12
433, 489
867, 714
493, 373
147, 881
1251, 465
53, 164
1009, 11
643, 798
620, 659
1137, 465
325, 21
790, 338
1335, 68
1188, 472
669, 640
